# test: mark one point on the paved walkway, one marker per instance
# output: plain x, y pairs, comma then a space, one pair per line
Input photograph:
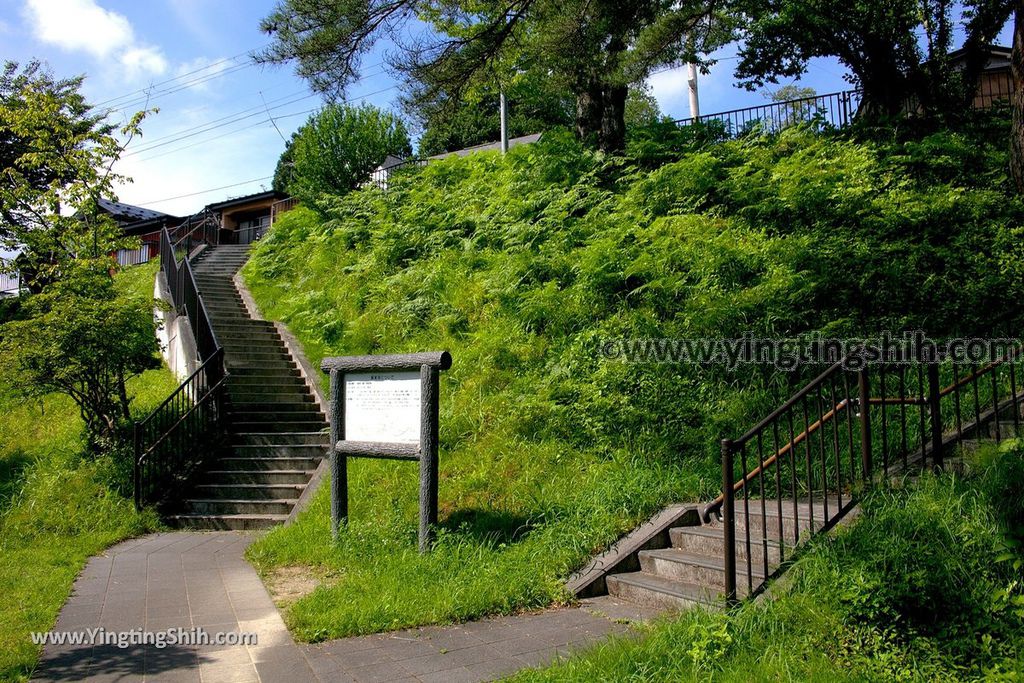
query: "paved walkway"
193, 580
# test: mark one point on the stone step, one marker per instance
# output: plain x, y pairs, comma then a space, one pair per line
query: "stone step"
250, 491
1008, 429
219, 290
236, 346
702, 570
257, 477
268, 463
236, 506
226, 337
280, 439
768, 524
250, 402
266, 385
217, 303
306, 426
237, 328
249, 364
654, 591
225, 522
271, 382
256, 355
293, 414
225, 308
709, 541
266, 372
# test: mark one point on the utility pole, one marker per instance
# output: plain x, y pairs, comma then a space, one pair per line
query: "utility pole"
503, 107
691, 87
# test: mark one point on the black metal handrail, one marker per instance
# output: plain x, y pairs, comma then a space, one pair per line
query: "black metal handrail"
173, 440
835, 110
801, 469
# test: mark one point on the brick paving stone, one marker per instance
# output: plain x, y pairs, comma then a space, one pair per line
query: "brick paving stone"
201, 579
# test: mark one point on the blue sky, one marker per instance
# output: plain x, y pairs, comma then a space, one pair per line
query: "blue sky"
190, 55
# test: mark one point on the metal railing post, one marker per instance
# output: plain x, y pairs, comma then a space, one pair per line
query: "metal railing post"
864, 404
728, 522
935, 408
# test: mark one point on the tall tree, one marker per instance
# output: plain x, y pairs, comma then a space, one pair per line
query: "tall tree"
1017, 109
76, 334
57, 155
878, 41
594, 49
339, 146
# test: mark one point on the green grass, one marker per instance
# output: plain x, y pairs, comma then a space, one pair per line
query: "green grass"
57, 506
925, 586
523, 265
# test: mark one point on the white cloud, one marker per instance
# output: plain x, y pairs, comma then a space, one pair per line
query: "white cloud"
84, 26
139, 61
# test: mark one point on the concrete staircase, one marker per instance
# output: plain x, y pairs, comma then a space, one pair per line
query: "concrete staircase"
691, 570
277, 430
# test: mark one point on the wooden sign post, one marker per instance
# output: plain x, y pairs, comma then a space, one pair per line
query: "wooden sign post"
385, 407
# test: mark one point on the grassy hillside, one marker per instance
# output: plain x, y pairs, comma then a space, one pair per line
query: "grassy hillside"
58, 507
925, 586
523, 266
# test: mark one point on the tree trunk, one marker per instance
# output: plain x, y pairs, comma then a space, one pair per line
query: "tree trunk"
589, 103
1017, 125
613, 118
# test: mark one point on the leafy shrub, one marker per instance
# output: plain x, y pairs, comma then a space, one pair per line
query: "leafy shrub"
339, 146
523, 265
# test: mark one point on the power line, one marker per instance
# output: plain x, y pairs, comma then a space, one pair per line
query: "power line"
206, 128
143, 91
248, 127
153, 95
223, 135
212, 189
234, 117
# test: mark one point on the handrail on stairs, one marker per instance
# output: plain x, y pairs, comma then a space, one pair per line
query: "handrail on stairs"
173, 440
912, 421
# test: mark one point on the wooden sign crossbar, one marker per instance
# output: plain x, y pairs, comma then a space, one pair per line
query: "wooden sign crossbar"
386, 409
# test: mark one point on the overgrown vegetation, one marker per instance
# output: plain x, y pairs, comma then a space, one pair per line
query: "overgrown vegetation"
523, 265
58, 504
926, 585
77, 335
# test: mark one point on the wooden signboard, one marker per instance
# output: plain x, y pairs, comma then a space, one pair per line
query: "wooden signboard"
385, 407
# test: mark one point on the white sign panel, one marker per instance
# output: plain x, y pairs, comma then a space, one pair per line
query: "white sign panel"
382, 406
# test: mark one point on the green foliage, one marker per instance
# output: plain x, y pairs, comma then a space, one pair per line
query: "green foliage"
339, 146
913, 590
82, 338
535, 105
59, 503
283, 171
880, 43
641, 108
592, 50
1003, 469
522, 265
56, 154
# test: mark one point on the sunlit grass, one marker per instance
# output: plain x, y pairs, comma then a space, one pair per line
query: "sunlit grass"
920, 588
57, 506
